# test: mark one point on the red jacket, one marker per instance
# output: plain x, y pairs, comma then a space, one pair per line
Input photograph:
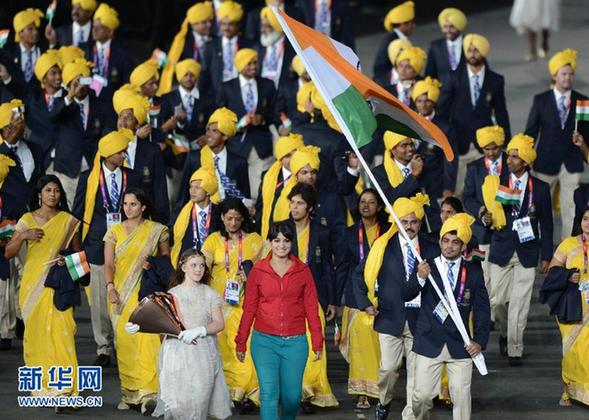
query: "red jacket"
280, 305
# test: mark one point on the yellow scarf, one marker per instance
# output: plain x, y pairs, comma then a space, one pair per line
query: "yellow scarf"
394, 174
303, 243
90, 199
489, 188
207, 161
282, 208
179, 230
268, 192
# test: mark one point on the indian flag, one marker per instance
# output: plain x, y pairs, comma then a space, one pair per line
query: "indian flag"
582, 113
7, 229
358, 104
475, 255
160, 56
506, 195
77, 265
3, 37
50, 13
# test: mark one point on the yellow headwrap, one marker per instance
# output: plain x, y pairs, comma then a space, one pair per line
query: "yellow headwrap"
402, 207
489, 189
5, 164
404, 12
24, 18
524, 146
143, 72
108, 16
78, 67
490, 134
320, 104
226, 121
187, 66
113, 142
429, 86
200, 12
298, 66
89, 5
395, 47
69, 53
243, 57
208, 182
47, 60
267, 14
283, 147
125, 98
303, 94
480, 43
460, 222
561, 59
394, 175
207, 162
454, 16
6, 112
416, 57
230, 10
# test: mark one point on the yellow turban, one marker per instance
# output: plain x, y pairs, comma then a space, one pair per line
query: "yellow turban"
126, 98
285, 145
429, 86
307, 155
303, 94
404, 206
416, 57
230, 10
480, 43
524, 146
391, 139
561, 59
268, 15
200, 12
394, 175
243, 57
404, 12
208, 180
226, 121
454, 16
298, 66
187, 66
47, 60
319, 103
78, 67
114, 142
89, 5
395, 47
490, 134
69, 53
6, 111
5, 164
460, 222
24, 18
143, 72
108, 16
489, 190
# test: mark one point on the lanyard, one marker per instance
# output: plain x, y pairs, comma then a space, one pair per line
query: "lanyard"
585, 257
105, 196
462, 282
102, 71
361, 239
488, 167
530, 189
281, 183
195, 236
240, 253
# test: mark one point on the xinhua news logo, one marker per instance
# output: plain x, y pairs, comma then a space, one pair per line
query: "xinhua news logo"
60, 379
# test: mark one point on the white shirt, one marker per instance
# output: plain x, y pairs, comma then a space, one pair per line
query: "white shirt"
223, 168
132, 152
523, 184
285, 173
495, 164
25, 156
186, 96
402, 168
103, 45
76, 28
400, 34
243, 82
481, 75
198, 216
272, 74
456, 47
403, 242
229, 43
36, 52
455, 268
108, 180
558, 94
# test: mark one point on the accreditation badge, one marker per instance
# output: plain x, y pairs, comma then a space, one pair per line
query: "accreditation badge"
112, 219
232, 290
524, 230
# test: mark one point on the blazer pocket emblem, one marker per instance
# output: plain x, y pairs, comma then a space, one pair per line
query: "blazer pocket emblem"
146, 175
489, 97
318, 254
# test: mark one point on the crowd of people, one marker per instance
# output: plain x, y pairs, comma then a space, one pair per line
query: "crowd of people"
221, 159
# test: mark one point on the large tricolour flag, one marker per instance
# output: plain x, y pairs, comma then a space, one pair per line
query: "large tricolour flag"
358, 104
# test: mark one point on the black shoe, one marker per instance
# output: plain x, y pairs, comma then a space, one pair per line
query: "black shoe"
102, 360
382, 411
515, 361
148, 407
503, 346
307, 407
247, 406
5, 344
20, 328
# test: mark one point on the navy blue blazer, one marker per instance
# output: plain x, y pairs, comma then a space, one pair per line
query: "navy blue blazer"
581, 200
202, 110
190, 51
554, 144
392, 278
120, 66
472, 195
430, 335
260, 136
342, 28
505, 242
285, 71
65, 37
382, 66
331, 212
455, 104
438, 64
16, 72
212, 75
188, 241
286, 102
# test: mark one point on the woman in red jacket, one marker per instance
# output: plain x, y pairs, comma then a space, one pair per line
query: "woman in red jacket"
281, 296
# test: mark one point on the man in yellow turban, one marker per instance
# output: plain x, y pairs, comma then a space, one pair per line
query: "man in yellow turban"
393, 50
438, 343
69, 53
445, 54
399, 22
200, 18
523, 203
78, 33
252, 25
561, 143
409, 64
26, 52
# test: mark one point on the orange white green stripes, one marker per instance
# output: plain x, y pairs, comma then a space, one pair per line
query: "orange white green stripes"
7, 229
3, 37
77, 265
582, 111
50, 12
506, 195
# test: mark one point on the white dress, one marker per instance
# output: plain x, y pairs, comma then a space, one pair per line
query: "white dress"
535, 15
191, 379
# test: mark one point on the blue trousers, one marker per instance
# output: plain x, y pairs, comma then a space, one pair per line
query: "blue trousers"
280, 364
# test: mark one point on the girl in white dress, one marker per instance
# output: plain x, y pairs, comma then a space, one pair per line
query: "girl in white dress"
191, 380
532, 17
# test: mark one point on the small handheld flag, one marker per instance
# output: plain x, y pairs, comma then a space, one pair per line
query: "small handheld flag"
160, 56
507, 196
3, 37
475, 255
50, 13
77, 265
582, 113
7, 229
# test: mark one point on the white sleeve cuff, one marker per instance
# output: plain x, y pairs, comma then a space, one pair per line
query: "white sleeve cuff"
421, 281
353, 172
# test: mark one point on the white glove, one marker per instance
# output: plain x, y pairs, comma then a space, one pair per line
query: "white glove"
188, 336
131, 328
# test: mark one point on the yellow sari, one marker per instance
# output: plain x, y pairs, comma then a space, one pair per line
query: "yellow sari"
49, 333
575, 336
241, 378
136, 353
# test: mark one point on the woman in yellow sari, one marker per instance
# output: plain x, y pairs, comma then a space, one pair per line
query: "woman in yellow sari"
126, 247
49, 333
227, 252
566, 290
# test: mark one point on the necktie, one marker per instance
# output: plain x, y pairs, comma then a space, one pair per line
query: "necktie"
227, 61
114, 193
516, 186
196, 53
406, 172
102, 61
451, 278
29, 66
202, 226
249, 98
82, 115
406, 99
410, 262
189, 107
80, 37
228, 185
272, 63
476, 89
452, 57
495, 168
562, 111
50, 103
